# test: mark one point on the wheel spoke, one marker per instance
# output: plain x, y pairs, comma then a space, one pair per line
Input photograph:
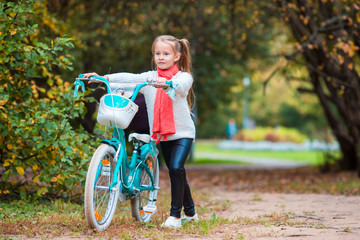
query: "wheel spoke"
148, 197
103, 195
100, 202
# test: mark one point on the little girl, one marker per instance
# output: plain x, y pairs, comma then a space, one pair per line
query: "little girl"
170, 121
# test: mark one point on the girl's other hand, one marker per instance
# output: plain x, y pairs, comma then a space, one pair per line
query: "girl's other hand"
93, 74
161, 80
87, 75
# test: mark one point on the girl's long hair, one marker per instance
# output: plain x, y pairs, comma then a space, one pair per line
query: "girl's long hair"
181, 46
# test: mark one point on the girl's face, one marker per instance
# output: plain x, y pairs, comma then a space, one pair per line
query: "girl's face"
164, 55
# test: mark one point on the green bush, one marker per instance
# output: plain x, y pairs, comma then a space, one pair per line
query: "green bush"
40, 152
279, 134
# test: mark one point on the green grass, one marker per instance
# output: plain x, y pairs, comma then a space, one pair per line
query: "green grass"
310, 157
48, 219
23, 210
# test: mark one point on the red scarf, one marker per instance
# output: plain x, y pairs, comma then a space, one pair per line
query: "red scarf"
164, 124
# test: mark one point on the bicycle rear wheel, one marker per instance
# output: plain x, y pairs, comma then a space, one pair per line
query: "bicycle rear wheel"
143, 211
99, 201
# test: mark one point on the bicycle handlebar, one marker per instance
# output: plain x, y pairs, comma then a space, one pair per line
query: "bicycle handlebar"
78, 83
151, 83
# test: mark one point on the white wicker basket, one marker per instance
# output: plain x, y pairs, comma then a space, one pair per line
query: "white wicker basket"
116, 111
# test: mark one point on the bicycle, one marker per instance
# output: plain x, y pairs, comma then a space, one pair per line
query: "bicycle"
111, 176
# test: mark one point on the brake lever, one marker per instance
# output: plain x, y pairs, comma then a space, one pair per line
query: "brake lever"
78, 83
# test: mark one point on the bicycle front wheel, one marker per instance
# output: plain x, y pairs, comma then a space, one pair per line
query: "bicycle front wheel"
99, 201
143, 209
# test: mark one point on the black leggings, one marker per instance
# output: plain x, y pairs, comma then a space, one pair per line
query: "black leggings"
175, 154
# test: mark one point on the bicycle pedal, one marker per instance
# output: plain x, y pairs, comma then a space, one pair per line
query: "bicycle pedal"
150, 209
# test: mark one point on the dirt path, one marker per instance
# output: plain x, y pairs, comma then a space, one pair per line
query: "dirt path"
245, 195
315, 216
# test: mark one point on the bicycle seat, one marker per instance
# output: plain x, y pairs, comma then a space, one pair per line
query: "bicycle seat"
140, 137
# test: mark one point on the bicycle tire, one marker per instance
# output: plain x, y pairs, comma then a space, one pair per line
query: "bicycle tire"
99, 201
148, 197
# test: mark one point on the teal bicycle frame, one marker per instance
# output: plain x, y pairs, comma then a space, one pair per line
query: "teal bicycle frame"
118, 142
123, 166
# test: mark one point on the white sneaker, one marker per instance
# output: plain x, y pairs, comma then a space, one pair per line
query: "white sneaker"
172, 222
185, 219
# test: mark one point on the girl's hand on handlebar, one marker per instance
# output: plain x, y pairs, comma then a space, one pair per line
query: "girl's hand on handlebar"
93, 74
161, 83
87, 75
161, 80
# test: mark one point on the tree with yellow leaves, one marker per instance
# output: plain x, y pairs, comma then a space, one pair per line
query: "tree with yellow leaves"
36, 139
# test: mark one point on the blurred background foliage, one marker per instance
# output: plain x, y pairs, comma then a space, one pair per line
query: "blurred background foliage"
229, 40
45, 44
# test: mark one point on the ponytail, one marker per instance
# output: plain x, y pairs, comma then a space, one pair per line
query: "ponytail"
185, 65
184, 62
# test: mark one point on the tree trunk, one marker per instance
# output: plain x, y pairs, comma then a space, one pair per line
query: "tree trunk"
331, 67
348, 146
